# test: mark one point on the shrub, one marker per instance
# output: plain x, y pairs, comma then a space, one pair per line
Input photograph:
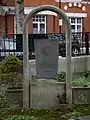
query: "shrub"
10, 64
61, 77
10, 70
86, 74
3, 101
11, 79
74, 115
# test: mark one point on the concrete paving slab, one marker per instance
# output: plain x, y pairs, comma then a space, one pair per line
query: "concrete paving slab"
85, 118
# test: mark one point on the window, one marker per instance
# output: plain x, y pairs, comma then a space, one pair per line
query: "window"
35, 28
39, 24
78, 28
76, 24
73, 28
79, 20
72, 20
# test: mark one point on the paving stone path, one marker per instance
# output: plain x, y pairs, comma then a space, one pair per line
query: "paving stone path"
85, 118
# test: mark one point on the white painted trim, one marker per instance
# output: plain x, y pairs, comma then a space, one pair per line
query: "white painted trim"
29, 9
8, 7
76, 14
85, 2
77, 1
48, 13
70, 1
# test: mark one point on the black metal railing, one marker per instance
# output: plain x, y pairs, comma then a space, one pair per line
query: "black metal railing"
13, 44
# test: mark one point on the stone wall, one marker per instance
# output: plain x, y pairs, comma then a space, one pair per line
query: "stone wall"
43, 93
79, 64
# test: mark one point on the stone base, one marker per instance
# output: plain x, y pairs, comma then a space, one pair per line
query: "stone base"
46, 93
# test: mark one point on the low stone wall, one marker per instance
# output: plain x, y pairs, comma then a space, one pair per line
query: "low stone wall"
79, 64
44, 94
14, 97
81, 95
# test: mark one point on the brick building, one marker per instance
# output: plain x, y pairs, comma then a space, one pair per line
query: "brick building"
46, 21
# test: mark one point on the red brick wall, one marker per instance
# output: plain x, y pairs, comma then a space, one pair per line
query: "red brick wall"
2, 29
33, 3
57, 24
30, 26
11, 2
87, 20
52, 23
10, 24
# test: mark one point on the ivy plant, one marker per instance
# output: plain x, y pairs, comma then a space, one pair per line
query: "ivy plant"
16, 117
83, 81
74, 115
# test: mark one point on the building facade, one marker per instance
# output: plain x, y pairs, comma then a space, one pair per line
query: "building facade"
77, 11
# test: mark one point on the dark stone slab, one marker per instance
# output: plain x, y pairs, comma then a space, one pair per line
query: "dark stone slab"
46, 51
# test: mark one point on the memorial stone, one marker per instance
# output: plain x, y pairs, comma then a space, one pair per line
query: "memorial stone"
46, 51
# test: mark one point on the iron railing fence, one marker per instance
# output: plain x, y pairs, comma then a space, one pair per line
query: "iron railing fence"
13, 44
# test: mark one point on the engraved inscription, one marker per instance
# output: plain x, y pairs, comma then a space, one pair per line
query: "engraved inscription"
81, 97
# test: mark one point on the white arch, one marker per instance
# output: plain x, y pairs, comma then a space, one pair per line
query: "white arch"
27, 77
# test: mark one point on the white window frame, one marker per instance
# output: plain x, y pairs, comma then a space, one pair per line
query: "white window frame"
40, 22
76, 24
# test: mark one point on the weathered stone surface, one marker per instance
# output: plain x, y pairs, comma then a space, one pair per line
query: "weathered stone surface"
85, 118
19, 16
14, 97
43, 93
46, 57
81, 95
